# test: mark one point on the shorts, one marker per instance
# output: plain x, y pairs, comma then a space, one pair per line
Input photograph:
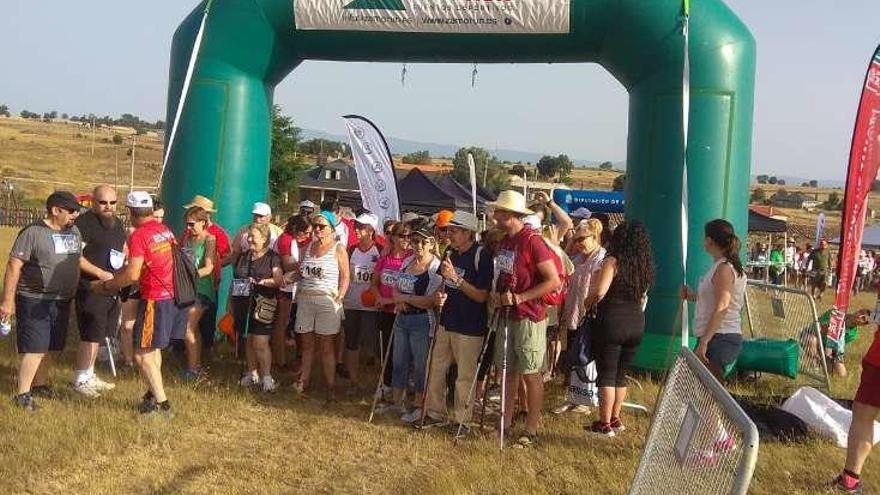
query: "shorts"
869, 386
41, 324
724, 349
819, 279
527, 343
97, 316
317, 313
157, 322
355, 323
243, 318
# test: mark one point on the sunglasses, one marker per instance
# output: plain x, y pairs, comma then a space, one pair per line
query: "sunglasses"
105, 203
191, 224
70, 211
320, 226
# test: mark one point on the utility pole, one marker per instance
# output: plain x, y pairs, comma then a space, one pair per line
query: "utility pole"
133, 143
93, 134
116, 180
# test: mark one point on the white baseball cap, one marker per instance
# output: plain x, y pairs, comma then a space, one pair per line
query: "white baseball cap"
308, 204
532, 221
261, 209
139, 199
368, 218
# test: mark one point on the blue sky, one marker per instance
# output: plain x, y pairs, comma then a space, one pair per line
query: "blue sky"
111, 57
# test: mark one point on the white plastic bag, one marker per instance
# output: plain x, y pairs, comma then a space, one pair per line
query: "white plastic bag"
823, 415
583, 391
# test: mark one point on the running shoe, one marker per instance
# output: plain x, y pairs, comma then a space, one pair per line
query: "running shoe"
387, 407
847, 484
86, 389
431, 422
190, 375
25, 401
564, 408
43, 391
617, 425
101, 385
153, 408
249, 379
299, 387
413, 416
526, 440
268, 384
601, 429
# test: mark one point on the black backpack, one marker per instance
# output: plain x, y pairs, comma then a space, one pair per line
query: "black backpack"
185, 276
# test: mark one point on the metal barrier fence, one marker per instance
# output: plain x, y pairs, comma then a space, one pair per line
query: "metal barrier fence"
778, 312
700, 441
19, 217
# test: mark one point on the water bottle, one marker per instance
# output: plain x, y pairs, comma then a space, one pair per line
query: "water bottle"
5, 327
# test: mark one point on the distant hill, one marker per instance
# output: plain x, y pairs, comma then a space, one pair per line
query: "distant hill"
404, 146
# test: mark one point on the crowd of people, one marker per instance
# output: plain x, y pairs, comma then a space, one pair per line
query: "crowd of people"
811, 268
446, 306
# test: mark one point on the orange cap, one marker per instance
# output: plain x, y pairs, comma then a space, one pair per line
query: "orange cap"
443, 217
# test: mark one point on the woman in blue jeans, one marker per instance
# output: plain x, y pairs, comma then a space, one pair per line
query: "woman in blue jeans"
414, 299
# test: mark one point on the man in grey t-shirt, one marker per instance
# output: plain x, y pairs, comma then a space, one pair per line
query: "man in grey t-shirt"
40, 281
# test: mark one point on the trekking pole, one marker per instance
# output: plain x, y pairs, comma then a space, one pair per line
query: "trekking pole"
489, 373
110, 354
430, 360
504, 374
381, 377
483, 351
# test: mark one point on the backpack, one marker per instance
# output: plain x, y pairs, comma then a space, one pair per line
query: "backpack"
185, 276
556, 297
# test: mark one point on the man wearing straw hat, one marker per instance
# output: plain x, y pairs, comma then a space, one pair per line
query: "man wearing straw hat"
208, 322
526, 274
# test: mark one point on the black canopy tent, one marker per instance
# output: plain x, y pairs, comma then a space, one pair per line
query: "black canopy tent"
765, 224
418, 193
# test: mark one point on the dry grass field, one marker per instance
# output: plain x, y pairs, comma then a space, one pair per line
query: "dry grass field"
226, 440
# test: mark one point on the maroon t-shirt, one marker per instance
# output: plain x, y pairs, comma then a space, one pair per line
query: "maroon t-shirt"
517, 261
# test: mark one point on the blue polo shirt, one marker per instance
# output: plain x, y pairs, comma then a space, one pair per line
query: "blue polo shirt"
461, 314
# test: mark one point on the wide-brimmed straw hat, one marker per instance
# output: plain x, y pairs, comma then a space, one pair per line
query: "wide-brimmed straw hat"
511, 201
202, 202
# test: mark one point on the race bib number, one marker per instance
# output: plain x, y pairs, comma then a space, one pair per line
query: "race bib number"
65, 244
241, 287
504, 261
460, 274
362, 274
389, 278
406, 283
311, 272
117, 259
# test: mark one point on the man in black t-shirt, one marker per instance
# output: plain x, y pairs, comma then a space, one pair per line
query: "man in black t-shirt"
97, 315
467, 272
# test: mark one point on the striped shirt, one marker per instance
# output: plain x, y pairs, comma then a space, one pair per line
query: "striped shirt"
320, 275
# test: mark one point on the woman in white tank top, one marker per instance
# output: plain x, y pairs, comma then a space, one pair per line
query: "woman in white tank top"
719, 298
323, 281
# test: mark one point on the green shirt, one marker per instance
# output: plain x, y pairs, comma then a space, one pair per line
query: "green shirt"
821, 259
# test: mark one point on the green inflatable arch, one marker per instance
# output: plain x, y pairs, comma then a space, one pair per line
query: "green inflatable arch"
249, 46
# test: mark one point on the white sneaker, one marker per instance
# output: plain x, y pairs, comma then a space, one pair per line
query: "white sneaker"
101, 385
86, 388
269, 384
249, 379
564, 408
412, 416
